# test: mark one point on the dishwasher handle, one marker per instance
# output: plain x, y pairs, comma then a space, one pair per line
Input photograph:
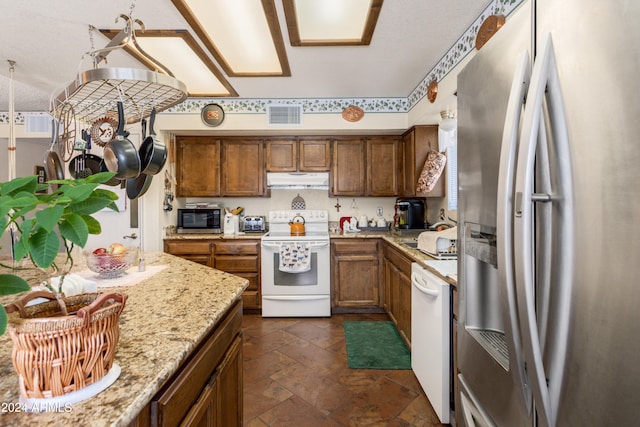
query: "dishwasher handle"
420, 284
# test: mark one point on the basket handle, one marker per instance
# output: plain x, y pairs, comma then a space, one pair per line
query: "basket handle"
20, 304
86, 312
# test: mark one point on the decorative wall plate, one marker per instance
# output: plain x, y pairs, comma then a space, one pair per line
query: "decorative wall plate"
103, 130
432, 91
352, 113
489, 27
212, 115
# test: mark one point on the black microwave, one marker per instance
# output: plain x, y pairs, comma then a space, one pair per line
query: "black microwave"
200, 220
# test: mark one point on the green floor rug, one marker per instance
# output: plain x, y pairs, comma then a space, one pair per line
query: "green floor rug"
375, 345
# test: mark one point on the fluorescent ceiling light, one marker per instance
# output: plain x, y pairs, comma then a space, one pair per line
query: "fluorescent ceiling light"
331, 22
182, 56
242, 35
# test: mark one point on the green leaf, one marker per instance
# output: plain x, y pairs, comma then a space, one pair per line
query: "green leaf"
90, 206
44, 247
12, 284
3, 320
80, 192
100, 178
48, 218
107, 194
74, 229
93, 225
27, 183
24, 199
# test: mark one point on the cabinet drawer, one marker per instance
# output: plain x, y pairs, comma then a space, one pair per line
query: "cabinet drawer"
188, 247
401, 262
236, 248
357, 246
236, 263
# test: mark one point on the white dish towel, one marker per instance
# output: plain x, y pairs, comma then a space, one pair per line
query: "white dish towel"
295, 257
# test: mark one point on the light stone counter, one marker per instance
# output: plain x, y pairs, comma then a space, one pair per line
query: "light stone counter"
396, 241
213, 236
164, 318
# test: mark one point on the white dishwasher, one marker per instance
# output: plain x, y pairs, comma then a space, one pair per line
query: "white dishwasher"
430, 337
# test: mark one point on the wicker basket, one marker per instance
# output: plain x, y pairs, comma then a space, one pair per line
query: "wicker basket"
64, 344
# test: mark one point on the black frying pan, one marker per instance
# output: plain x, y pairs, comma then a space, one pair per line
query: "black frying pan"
91, 165
120, 155
136, 187
153, 152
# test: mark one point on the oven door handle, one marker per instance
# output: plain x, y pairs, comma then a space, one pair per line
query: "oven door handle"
314, 245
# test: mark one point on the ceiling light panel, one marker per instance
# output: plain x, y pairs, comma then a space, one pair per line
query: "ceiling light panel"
243, 35
331, 22
183, 57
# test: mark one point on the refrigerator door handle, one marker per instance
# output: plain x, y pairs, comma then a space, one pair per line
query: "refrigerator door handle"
504, 222
546, 380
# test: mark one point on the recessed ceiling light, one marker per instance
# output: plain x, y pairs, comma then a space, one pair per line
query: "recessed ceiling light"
244, 36
331, 22
183, 57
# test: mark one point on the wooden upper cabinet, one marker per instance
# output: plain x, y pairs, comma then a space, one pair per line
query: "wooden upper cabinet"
417, 142
382, 166
242, 167
282, 155
303, 155
315, 155
348, 169
197, 166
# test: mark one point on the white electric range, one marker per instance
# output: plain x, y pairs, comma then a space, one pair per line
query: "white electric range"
296, 270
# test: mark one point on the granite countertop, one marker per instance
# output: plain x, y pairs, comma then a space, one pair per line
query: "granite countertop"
165, 317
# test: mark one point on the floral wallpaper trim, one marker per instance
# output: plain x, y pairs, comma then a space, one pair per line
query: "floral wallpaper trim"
459, 51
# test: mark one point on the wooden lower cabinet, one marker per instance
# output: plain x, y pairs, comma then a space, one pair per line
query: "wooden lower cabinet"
397, 290
240, 257
355, 273
207, 389
194, 250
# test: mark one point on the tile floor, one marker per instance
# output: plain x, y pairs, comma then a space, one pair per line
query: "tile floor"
296, 374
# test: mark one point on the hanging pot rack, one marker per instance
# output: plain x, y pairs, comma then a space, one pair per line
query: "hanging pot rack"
95, 92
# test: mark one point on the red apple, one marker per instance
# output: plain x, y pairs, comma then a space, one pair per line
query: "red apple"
100, 251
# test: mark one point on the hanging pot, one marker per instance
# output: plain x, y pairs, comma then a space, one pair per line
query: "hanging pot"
52, 163
136, 187
120, 154
153, 152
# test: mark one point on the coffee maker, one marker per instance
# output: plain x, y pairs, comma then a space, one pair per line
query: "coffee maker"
410, 212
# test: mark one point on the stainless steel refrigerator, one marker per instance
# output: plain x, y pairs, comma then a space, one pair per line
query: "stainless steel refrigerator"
549, 219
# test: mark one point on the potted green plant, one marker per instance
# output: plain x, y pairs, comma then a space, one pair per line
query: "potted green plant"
45, 218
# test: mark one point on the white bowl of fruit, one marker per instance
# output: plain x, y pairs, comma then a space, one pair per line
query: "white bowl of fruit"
112, 261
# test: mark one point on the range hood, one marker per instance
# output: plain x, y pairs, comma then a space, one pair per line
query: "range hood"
298, 180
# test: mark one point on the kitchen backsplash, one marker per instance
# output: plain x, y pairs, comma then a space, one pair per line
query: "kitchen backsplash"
281, 199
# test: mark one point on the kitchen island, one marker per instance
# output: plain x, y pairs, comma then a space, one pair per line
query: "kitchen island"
172, 321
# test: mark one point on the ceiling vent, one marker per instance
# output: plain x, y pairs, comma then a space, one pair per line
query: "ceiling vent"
289, 115
40, 123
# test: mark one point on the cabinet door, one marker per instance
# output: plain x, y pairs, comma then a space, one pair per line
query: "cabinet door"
242, 167
229, 397
417, 142
348, 171
315, 155
382, 166
197, 166
282, 155
404, 316
356, 273
204, 412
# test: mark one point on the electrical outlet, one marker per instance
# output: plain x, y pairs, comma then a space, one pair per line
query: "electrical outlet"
379, 211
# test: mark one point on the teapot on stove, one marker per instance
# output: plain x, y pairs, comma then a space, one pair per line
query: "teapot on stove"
297, 225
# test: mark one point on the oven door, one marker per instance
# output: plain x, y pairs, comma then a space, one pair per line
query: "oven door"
315, 281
